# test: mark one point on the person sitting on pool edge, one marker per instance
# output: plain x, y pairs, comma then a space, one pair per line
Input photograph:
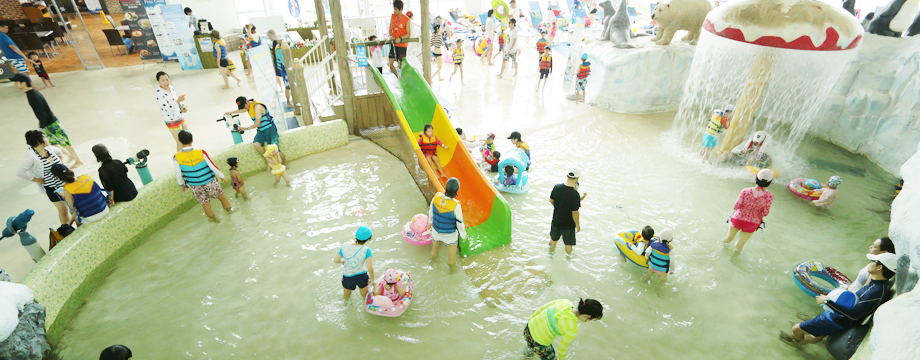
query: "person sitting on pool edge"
839, 318
881, 245
558, 319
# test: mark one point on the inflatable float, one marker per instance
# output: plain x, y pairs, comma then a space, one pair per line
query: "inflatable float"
805, 189
805, 274
626, 241
417, 231
382, 305
480, 46
518, 159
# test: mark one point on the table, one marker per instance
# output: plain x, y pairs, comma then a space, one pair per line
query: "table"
122, 28
40, 34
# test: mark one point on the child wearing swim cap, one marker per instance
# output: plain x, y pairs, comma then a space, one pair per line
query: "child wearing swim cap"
829, 193
356, 257
273, 157
236, 178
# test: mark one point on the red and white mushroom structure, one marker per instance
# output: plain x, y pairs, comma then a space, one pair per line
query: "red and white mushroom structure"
808, 25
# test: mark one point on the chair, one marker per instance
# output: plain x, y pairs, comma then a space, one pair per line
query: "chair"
111, 21
49, 40
18, 41
33, 43
60, 33
114, 39
23, 22
43, 20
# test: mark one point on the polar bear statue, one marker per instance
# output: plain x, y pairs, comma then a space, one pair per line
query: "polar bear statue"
680, 15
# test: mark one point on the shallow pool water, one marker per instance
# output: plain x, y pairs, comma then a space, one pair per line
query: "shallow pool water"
262, 284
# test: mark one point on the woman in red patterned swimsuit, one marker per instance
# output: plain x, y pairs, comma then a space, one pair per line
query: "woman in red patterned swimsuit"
752, 205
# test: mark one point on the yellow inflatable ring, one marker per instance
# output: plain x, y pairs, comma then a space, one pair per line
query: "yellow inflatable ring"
496, 4
626, 241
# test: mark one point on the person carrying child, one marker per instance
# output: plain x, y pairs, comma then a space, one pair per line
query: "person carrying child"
236, 178
429, 145
829, 193
719, 122
195, 170
659, 254
518, 143
40, 70
510, 179
546, 67
356, 258
458, 60
581, 80
445, 217
273, 158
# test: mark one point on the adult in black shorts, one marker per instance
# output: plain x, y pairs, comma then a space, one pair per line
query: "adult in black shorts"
566, 200
399, 32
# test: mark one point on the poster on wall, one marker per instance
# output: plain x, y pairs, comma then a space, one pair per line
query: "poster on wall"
145, 42
160, 28
182, 37
207, 46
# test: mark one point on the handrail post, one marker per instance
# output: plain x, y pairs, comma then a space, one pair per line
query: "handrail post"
426, 41
298, 86
341, 56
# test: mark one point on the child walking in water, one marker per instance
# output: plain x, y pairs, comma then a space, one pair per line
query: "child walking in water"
458, 60
752, 205
659, 255
273, 157
356, 257
236, 179
445, 217
719, 122
429, 145
582, 78
829, 193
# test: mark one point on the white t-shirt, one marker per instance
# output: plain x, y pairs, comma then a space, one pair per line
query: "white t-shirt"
549, 17
354, 256
169, 108
512, 36
377, 56
490, 27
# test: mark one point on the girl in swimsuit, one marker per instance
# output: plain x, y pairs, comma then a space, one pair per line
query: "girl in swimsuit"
236, 178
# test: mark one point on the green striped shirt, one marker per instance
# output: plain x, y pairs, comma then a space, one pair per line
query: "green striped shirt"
553, 320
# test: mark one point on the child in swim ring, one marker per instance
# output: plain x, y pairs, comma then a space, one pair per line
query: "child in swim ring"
236, 178
389, 286
829, 193
510, 179
273, 157
429, 145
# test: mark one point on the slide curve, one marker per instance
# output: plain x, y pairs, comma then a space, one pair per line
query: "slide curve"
486, 213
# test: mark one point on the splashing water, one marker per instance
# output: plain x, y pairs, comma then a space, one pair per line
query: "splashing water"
797, 83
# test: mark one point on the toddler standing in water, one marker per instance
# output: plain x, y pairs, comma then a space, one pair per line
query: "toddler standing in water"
273, 157
236, 178
355, 257
829, 193
429, 145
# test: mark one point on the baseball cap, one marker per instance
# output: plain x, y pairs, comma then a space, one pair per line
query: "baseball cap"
490, 136
59, 170
666, 235
409, 13
765, 174
363, 233
888, 259
729, 107
573, 173
515, 135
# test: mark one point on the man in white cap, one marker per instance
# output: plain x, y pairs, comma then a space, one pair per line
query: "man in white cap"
839, 318
566, 201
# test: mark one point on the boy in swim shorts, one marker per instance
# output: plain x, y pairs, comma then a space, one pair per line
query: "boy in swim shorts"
582, 78
355, 257
195, 171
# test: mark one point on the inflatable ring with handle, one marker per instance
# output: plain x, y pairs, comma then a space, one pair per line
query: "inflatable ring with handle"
382, 305
805, 189
626, 241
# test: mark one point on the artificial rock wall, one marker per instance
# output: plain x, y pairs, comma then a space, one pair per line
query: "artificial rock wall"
875, 108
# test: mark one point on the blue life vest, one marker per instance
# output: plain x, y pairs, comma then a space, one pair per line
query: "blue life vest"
266, 122
223, 49
660, 258
87, 196
194, 167
444, 221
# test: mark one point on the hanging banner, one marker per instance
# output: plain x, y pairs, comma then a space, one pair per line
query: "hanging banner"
571, 67
361, 52
182, 37
160, 28
145, 42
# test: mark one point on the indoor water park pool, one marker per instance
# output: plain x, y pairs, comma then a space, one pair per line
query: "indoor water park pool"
262, 284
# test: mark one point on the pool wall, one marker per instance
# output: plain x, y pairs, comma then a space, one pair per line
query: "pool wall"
71, 271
